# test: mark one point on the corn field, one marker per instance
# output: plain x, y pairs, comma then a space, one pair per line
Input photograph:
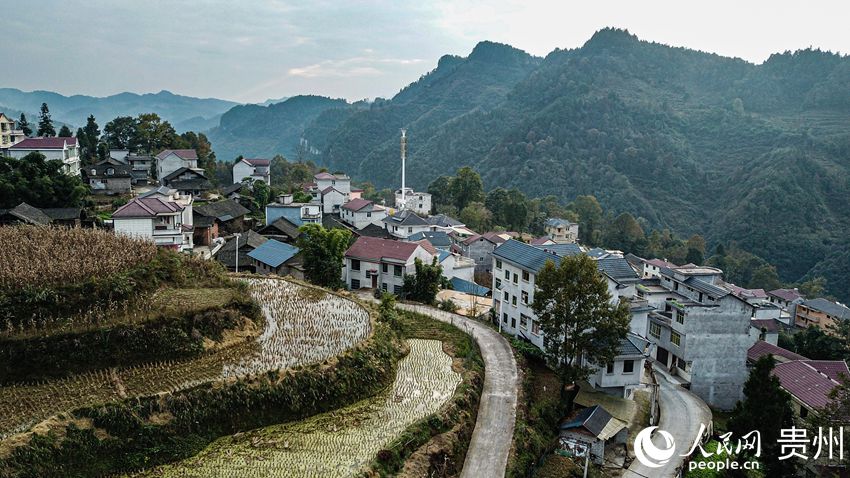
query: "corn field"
297, 332
41, 256
335, 444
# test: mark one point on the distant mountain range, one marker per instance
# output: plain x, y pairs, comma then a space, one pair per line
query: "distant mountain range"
184, 112
686, 140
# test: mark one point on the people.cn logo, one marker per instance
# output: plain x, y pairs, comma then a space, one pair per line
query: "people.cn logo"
651, 455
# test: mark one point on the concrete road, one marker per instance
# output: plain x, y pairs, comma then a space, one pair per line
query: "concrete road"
682, 412
491, 440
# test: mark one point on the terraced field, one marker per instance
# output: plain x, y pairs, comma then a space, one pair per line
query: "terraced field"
303, 326
336, 444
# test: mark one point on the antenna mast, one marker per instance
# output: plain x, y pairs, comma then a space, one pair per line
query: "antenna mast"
403, 157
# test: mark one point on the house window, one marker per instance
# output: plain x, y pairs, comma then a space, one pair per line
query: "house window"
525, 276
804, 412
498, 264
368, 214
397, 271
675, 339
513, 301
523, 321
498, 283
655, 330
609, 369
397, 289
506, 296
384, 286
355, 284
410, 230
505, 318
384, 268
524, 297
355, 265
681, 364
516, 278
94, 172
535, 327
110, 171
628, 366
508, 275
680, 317
513, 323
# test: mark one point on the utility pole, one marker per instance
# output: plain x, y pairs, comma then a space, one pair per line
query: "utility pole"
237, 251
403, 158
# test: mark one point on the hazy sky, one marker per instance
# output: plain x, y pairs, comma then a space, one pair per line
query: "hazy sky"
253, 50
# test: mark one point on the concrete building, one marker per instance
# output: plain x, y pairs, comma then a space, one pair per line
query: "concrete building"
171, 160
255, 169
359, 213
187, 181
9, 134
296, 213
820, 312
186, 201
381, 263
65, 150
405, 223
589, 430
480, 248
109, 177
561, 231
785, 298
408, 199
141, 167
156, 220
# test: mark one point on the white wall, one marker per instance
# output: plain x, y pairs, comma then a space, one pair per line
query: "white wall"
136, 227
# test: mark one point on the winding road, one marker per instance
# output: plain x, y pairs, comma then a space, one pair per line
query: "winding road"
682, 412
490, 444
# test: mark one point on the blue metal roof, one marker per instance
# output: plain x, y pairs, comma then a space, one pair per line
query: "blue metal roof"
436, 238
273, 253
467, 287
562, 250
533, 257
617, 268
443, 254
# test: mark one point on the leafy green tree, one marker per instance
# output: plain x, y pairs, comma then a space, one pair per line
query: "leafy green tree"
577, 319
38, 182
65, 132
261, 193
45, 124
440, 190
89, 139
696, 250
201, 144
467, 188
25, 125
424, 284
323, 251
625, 234
589, 219
476, 216
766, 408
119, 133
152, 134
815, 343
765, 277
301, 196
813, 288
509, 208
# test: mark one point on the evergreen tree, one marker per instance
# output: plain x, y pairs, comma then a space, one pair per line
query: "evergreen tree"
45, 124
38, 182
424, 284
119, 133
572, 303
323, 251
89, 138
766, 408
467, 187
65, 132
25, 125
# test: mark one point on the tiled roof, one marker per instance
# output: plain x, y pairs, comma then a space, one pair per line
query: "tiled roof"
331, 188
225, 210
561, 249
540, 241
227, 191
788, 295
162, 190
356, 204
180, 153
833, 369
273, 253
616, 268
63, 213
101, 169
443, 220
805, 383
405, 218
761, 348
769, 325
45, 143
593, 419
703, 286
30, 214
828, 307
467, 287
527, 256
660, 263
494, 237
632, 345
146, 207
375, 249
248, 239
257, 161
283, 226
555, 222
746, 293
373, 230
182, 171
436, 238
324, 175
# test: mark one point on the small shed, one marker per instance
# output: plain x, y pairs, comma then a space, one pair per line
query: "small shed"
275, 257
591, 429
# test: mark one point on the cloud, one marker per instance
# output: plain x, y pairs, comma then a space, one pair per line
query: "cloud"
356, 66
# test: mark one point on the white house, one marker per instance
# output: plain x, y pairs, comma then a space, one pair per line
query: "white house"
296, 213
155, 220
561, 231
359, 213
373, 262
171, 160
256, 169
186, 201
405, 223
9, 135
410, 200
62, 149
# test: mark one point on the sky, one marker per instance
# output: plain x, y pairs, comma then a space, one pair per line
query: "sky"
253, 50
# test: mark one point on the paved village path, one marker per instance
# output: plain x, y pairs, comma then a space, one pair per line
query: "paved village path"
490, 444
682, 412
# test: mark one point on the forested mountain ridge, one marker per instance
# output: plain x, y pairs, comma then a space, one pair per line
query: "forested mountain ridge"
75, 109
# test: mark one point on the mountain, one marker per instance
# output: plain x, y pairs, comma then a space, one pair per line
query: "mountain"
263, 131
74, 110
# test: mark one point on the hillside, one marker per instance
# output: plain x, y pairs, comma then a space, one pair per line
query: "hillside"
75, 109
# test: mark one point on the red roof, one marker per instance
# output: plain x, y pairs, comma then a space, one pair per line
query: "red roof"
789, 295
540, 241
761, 348
374, 249
746, 293
805, 383
426, 244
661, 263
324, 176
355, 204
45, 143
147, 207
257, 161
331, 188
833, 369
180, 153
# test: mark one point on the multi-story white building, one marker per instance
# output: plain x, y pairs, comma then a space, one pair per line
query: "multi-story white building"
561, 231
374, 263
404, 224
156, 220
65, 150
296, 213
359, 213
171, 160
410, 200
9, 135
256, 169
515, 267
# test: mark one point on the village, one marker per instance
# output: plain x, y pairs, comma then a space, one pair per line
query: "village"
692, 336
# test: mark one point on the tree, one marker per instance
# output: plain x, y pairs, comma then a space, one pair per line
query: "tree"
815, 343
509, 208
152, 134
25, 126
766, 408
476, 216
765, 277
119, 133
261, 193
38, 182
466, 188
696, 250
577, 319
440, 190
323, 251
624, 233
813, 287
89, 138
65, 132
45, 124
423, 285
589, 218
